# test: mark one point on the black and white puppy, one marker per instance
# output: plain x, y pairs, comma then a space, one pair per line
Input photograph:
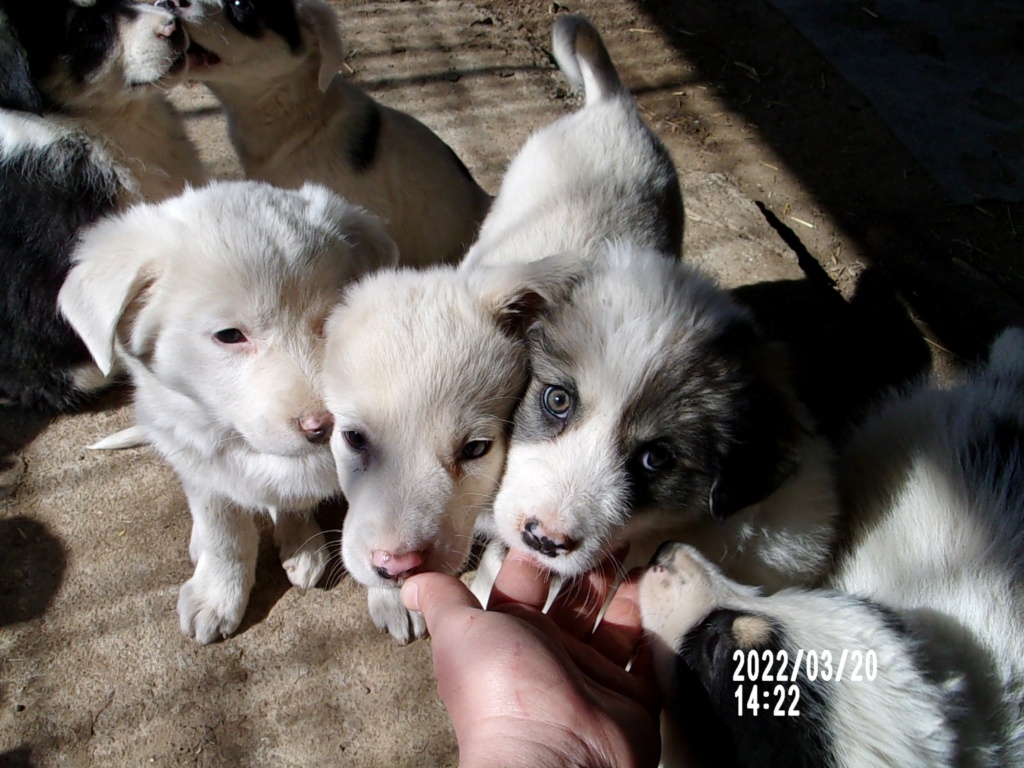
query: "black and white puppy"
654, 410
84, 129
914, 654
273, 65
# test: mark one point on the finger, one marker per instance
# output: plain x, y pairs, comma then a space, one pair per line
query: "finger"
438, 597
620, 629
581, 601
520, 580
602, 671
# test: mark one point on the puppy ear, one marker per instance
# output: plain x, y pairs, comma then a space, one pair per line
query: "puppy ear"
765, 431
17, 91
364, 231
517, 293
322, 21
112, 268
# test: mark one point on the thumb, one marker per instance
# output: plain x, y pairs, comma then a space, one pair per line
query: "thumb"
437, 595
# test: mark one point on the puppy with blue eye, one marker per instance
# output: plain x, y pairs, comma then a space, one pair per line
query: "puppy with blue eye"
216, 301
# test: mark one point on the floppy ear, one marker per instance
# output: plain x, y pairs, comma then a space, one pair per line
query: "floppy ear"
362, 230
322, 21
517, 293
17, 91
764, 442
112, 267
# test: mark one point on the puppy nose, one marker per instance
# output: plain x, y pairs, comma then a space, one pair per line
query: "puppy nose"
391, 566
665, 553
171, 29
317, 426
547, 543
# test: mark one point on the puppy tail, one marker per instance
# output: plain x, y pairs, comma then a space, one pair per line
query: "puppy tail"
132, 437
583, 59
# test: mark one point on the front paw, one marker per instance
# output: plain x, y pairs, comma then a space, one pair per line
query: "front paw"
302, 548
389, 615
212, 603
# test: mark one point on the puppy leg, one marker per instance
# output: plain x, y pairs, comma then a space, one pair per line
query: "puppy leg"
301, 546
389, 615
223, 546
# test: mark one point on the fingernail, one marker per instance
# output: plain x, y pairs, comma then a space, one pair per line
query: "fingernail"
410, 595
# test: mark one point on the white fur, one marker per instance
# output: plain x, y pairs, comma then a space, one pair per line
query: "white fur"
936, 510
154, 286
291, 118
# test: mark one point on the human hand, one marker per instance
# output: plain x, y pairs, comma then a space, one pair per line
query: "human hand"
530, 690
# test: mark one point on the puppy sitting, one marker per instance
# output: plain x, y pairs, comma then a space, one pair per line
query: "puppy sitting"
217, 301
84, 129
273, 65
923, 618
422, 403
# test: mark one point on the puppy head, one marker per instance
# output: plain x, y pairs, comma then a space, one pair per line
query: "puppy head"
248, 41
91, 56
422, 373
647, 408
218, 300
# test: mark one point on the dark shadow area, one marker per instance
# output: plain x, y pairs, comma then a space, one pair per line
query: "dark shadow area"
16, 758
34, 562
956, 266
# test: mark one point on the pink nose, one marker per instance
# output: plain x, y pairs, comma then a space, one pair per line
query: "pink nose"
317, 426
391, 566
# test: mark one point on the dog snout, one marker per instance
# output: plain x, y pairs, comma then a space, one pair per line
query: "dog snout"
665, 554
317, 426
393, 566
548, 543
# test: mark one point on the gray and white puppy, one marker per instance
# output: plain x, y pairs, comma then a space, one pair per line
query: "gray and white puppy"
423, 395
913, 654
216, 301
655, 410
273, 64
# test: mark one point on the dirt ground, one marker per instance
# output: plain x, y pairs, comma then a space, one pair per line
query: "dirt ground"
798, 196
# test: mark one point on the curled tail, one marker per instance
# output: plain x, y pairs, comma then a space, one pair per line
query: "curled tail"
583, 59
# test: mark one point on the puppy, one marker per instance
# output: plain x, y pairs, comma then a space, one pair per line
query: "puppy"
273, 65
654, 410
84, 130
422, 402
923, 608
217, 300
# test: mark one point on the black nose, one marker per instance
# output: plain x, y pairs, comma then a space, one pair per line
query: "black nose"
535, 538
664, 553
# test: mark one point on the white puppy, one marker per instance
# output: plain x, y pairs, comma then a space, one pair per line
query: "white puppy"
422, 403
293, 119
217, 301
914, 654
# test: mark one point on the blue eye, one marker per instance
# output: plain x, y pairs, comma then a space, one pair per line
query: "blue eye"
230, 336
557, 401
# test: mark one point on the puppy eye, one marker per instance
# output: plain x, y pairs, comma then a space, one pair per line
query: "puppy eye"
474, 449
655, 457
557, 401
356, 440
241, 9
230, 336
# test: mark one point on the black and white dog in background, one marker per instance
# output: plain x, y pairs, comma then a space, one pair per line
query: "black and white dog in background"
914, 654
84, 129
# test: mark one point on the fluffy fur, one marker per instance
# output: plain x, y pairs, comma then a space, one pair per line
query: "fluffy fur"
83, 131
423, 399
292, 119
217, 301
929, 581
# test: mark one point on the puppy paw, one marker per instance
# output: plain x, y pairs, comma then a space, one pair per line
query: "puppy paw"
302, 548
212, 603
389, 615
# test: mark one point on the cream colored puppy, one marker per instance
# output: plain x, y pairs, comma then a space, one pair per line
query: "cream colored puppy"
217, 300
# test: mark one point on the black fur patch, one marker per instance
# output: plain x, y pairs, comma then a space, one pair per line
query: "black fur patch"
363, 141
17, 91
758, 739
40, 215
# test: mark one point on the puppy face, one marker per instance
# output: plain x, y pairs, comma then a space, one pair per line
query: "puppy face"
218, 299
244, 41
423, 370
84, 56
643, 412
